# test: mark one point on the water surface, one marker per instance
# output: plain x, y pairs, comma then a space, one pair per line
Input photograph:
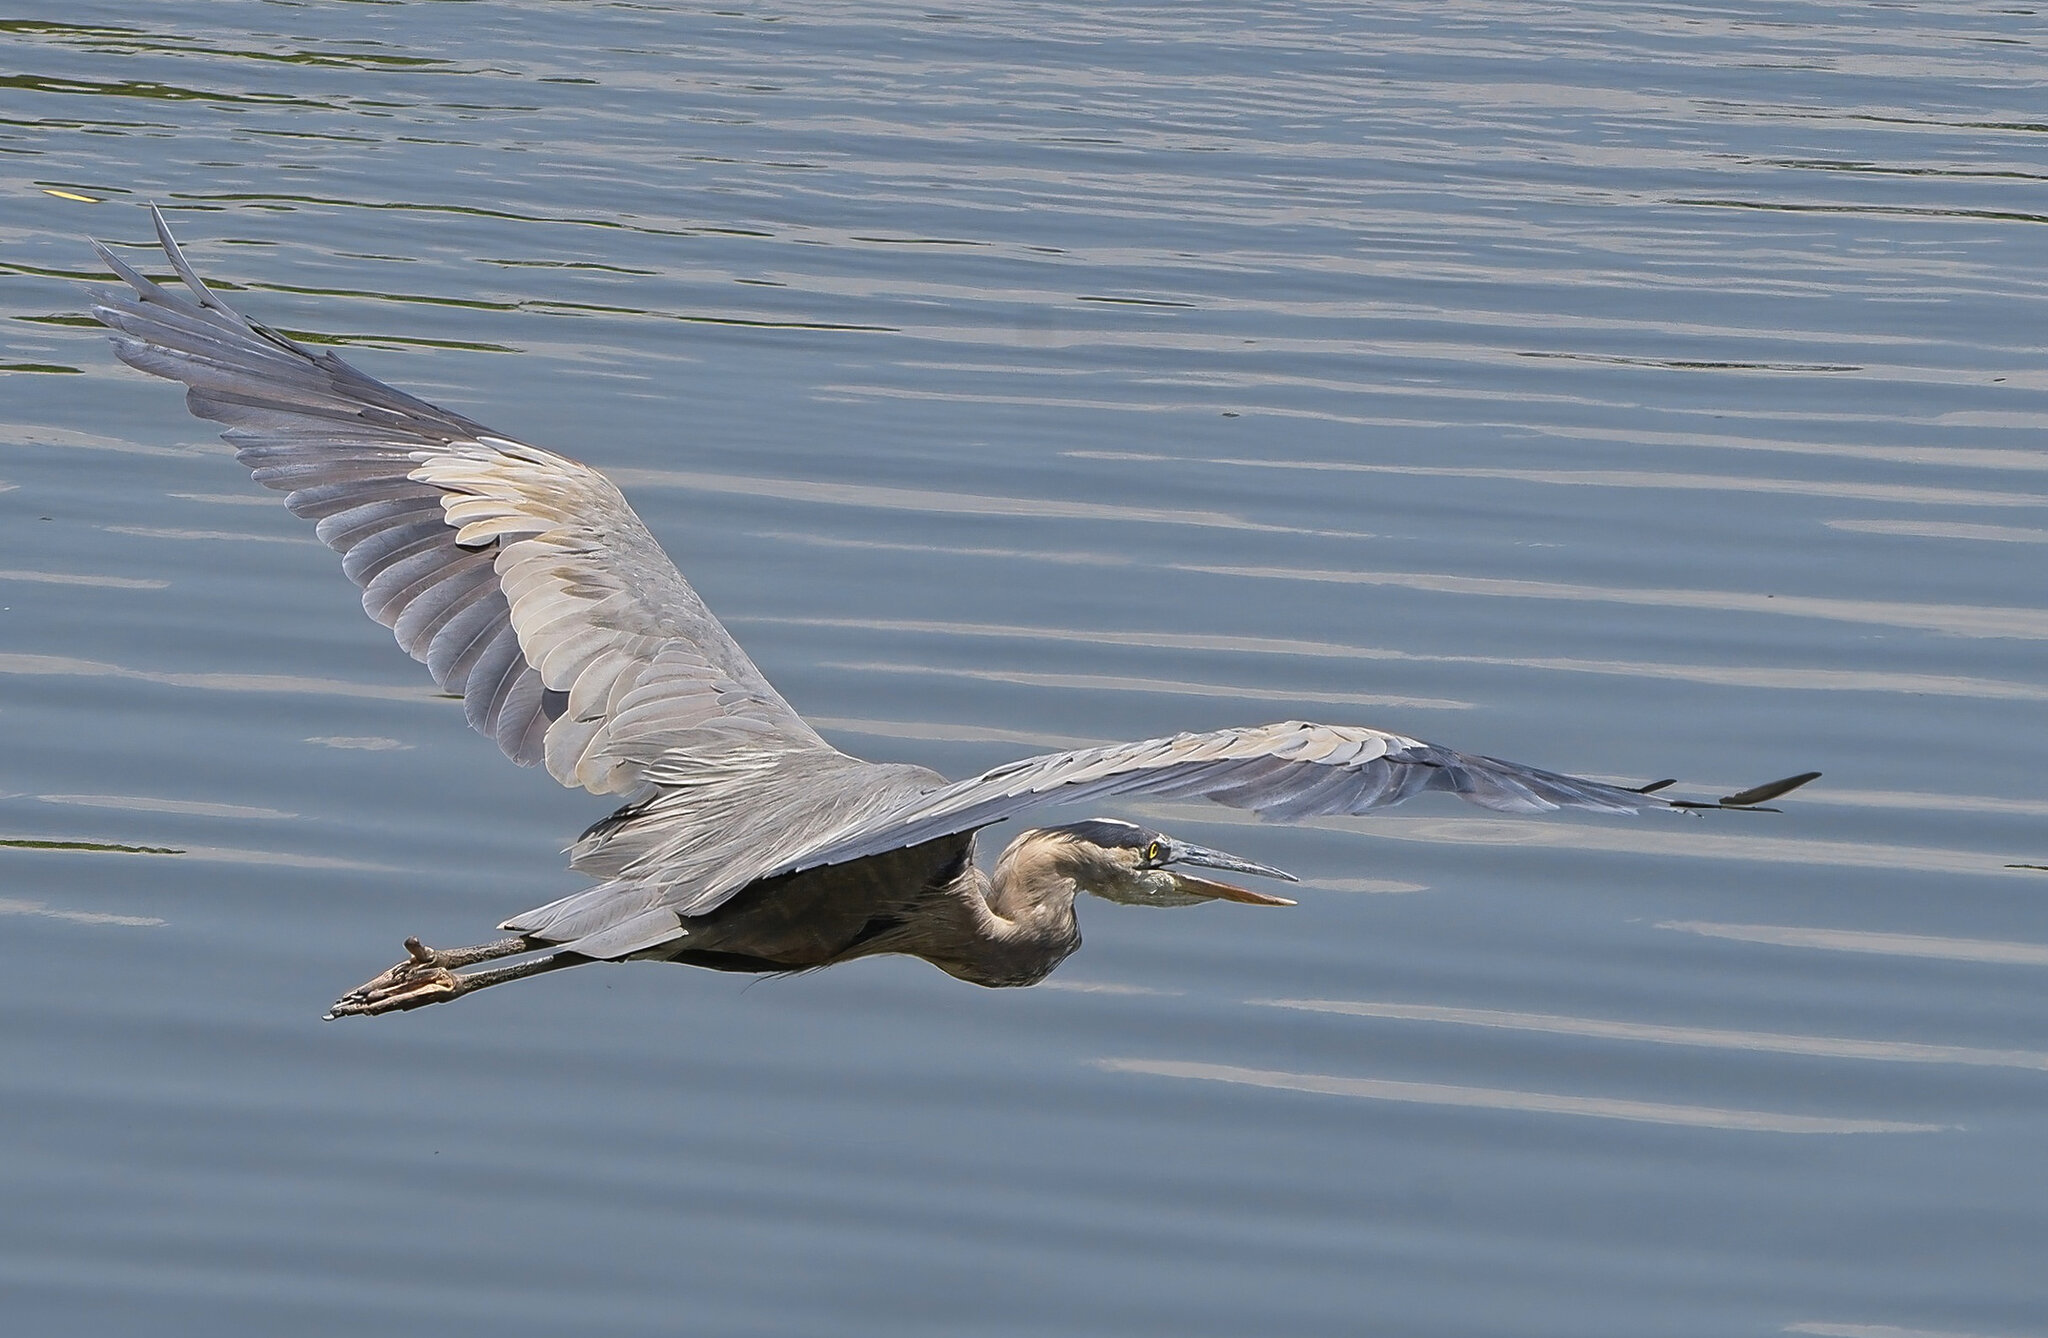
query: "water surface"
1631, 389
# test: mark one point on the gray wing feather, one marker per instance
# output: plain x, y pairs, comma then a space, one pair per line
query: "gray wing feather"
684, 852
520, 578
1283, 771
722, 813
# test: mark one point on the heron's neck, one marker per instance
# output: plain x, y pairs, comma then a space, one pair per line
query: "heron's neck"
1021, 927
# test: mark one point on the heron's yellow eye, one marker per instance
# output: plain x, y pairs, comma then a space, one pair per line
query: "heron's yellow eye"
1153, 853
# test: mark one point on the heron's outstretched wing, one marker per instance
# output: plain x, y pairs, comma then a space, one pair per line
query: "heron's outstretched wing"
678, 854
520, 578
1284, 771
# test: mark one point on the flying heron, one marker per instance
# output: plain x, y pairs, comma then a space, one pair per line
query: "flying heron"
746, 843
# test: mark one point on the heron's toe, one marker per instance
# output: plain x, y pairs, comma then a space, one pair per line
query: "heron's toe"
414, 983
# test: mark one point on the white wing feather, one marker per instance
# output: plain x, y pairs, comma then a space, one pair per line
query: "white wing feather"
521, 578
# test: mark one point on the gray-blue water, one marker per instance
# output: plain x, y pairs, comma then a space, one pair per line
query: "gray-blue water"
1636, 389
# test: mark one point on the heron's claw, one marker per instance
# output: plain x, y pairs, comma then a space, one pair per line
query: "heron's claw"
419, 980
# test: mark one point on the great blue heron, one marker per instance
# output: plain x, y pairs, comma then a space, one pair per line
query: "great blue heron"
530, 589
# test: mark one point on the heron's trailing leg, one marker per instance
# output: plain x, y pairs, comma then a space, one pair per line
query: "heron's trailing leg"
428, 976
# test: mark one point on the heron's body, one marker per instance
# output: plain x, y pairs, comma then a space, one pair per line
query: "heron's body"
529, 588
929, 901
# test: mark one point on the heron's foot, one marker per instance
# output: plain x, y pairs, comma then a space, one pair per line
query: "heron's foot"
422, 979
428, 975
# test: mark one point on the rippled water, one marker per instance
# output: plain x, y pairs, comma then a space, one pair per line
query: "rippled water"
1633, 389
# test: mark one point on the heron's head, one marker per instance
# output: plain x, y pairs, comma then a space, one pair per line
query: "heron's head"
1121, 861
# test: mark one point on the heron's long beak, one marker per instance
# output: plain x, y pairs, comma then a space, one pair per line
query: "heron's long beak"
1184, 853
